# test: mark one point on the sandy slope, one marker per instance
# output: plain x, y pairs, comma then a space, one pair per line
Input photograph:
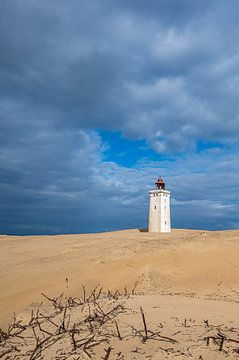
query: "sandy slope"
178, 327
196, 263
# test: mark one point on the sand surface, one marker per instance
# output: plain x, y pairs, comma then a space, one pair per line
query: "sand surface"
195, 274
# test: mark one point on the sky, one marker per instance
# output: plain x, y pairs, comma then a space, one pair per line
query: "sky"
98, 98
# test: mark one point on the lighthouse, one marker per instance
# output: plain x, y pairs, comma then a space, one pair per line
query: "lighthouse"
159, 208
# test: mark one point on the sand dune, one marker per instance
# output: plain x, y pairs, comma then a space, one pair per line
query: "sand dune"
185, 261
185, 264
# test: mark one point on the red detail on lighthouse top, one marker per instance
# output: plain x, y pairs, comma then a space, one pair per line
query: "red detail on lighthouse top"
160, 184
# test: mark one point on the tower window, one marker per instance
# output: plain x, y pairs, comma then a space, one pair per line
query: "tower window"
154, 207
165, 222
164, 207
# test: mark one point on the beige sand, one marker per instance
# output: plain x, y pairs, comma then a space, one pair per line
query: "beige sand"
198, 267
184, 261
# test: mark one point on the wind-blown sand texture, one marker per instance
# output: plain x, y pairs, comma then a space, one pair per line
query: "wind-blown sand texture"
187, 285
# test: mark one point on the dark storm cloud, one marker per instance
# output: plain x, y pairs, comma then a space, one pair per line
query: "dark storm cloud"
58, 182
166, 72
170, 66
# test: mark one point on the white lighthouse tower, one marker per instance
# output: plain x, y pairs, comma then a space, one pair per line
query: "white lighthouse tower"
159, 208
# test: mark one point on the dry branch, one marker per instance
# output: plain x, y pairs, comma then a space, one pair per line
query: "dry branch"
117, 329
107, 355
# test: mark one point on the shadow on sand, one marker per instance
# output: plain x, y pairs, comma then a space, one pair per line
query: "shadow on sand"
143, 230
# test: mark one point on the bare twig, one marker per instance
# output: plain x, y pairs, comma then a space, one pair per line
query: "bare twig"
133, 290
117, 329
144, 322
107, 355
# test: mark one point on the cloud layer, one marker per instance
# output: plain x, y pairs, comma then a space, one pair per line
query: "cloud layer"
163, 73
